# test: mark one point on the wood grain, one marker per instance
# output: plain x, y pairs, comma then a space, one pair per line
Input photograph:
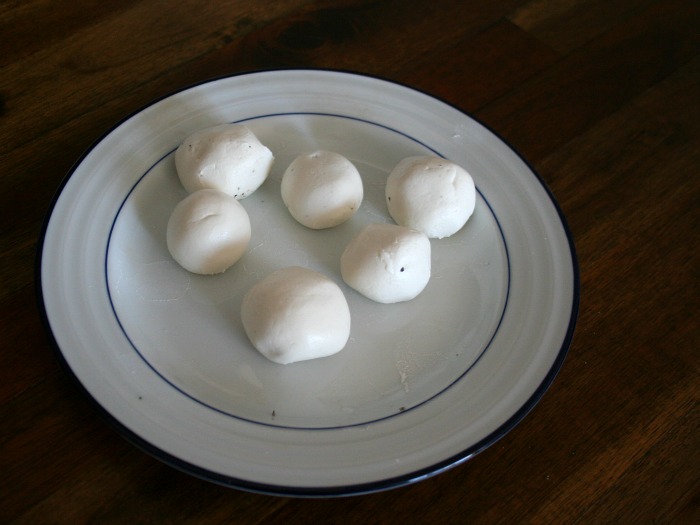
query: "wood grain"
602, 98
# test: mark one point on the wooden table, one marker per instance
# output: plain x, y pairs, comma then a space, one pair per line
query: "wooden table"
602, 98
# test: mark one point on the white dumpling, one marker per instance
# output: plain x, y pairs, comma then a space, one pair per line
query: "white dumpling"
387, 263
430, 194
229, 158
296, 314
322, 189
208, 231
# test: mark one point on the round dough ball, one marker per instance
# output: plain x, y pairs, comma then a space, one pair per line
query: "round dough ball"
387, 263
322, 189
430, 194
208, 231
229, 158
296, 314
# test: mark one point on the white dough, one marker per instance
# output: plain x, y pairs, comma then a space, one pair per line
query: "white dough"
208, 231
228, 157
430, 194
322, 189
296, 314
387, 263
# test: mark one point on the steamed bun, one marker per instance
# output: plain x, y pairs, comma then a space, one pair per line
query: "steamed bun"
296, 314
430, 194
208, 231
229, 158
321, 189
387, 263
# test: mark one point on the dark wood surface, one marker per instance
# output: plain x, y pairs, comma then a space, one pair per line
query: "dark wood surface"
602, 97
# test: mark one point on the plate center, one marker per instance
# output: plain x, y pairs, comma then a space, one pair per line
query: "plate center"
188, 329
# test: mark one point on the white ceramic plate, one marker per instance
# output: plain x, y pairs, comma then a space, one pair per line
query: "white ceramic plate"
420, 387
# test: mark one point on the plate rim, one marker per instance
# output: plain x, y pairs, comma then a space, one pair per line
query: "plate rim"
309, 491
